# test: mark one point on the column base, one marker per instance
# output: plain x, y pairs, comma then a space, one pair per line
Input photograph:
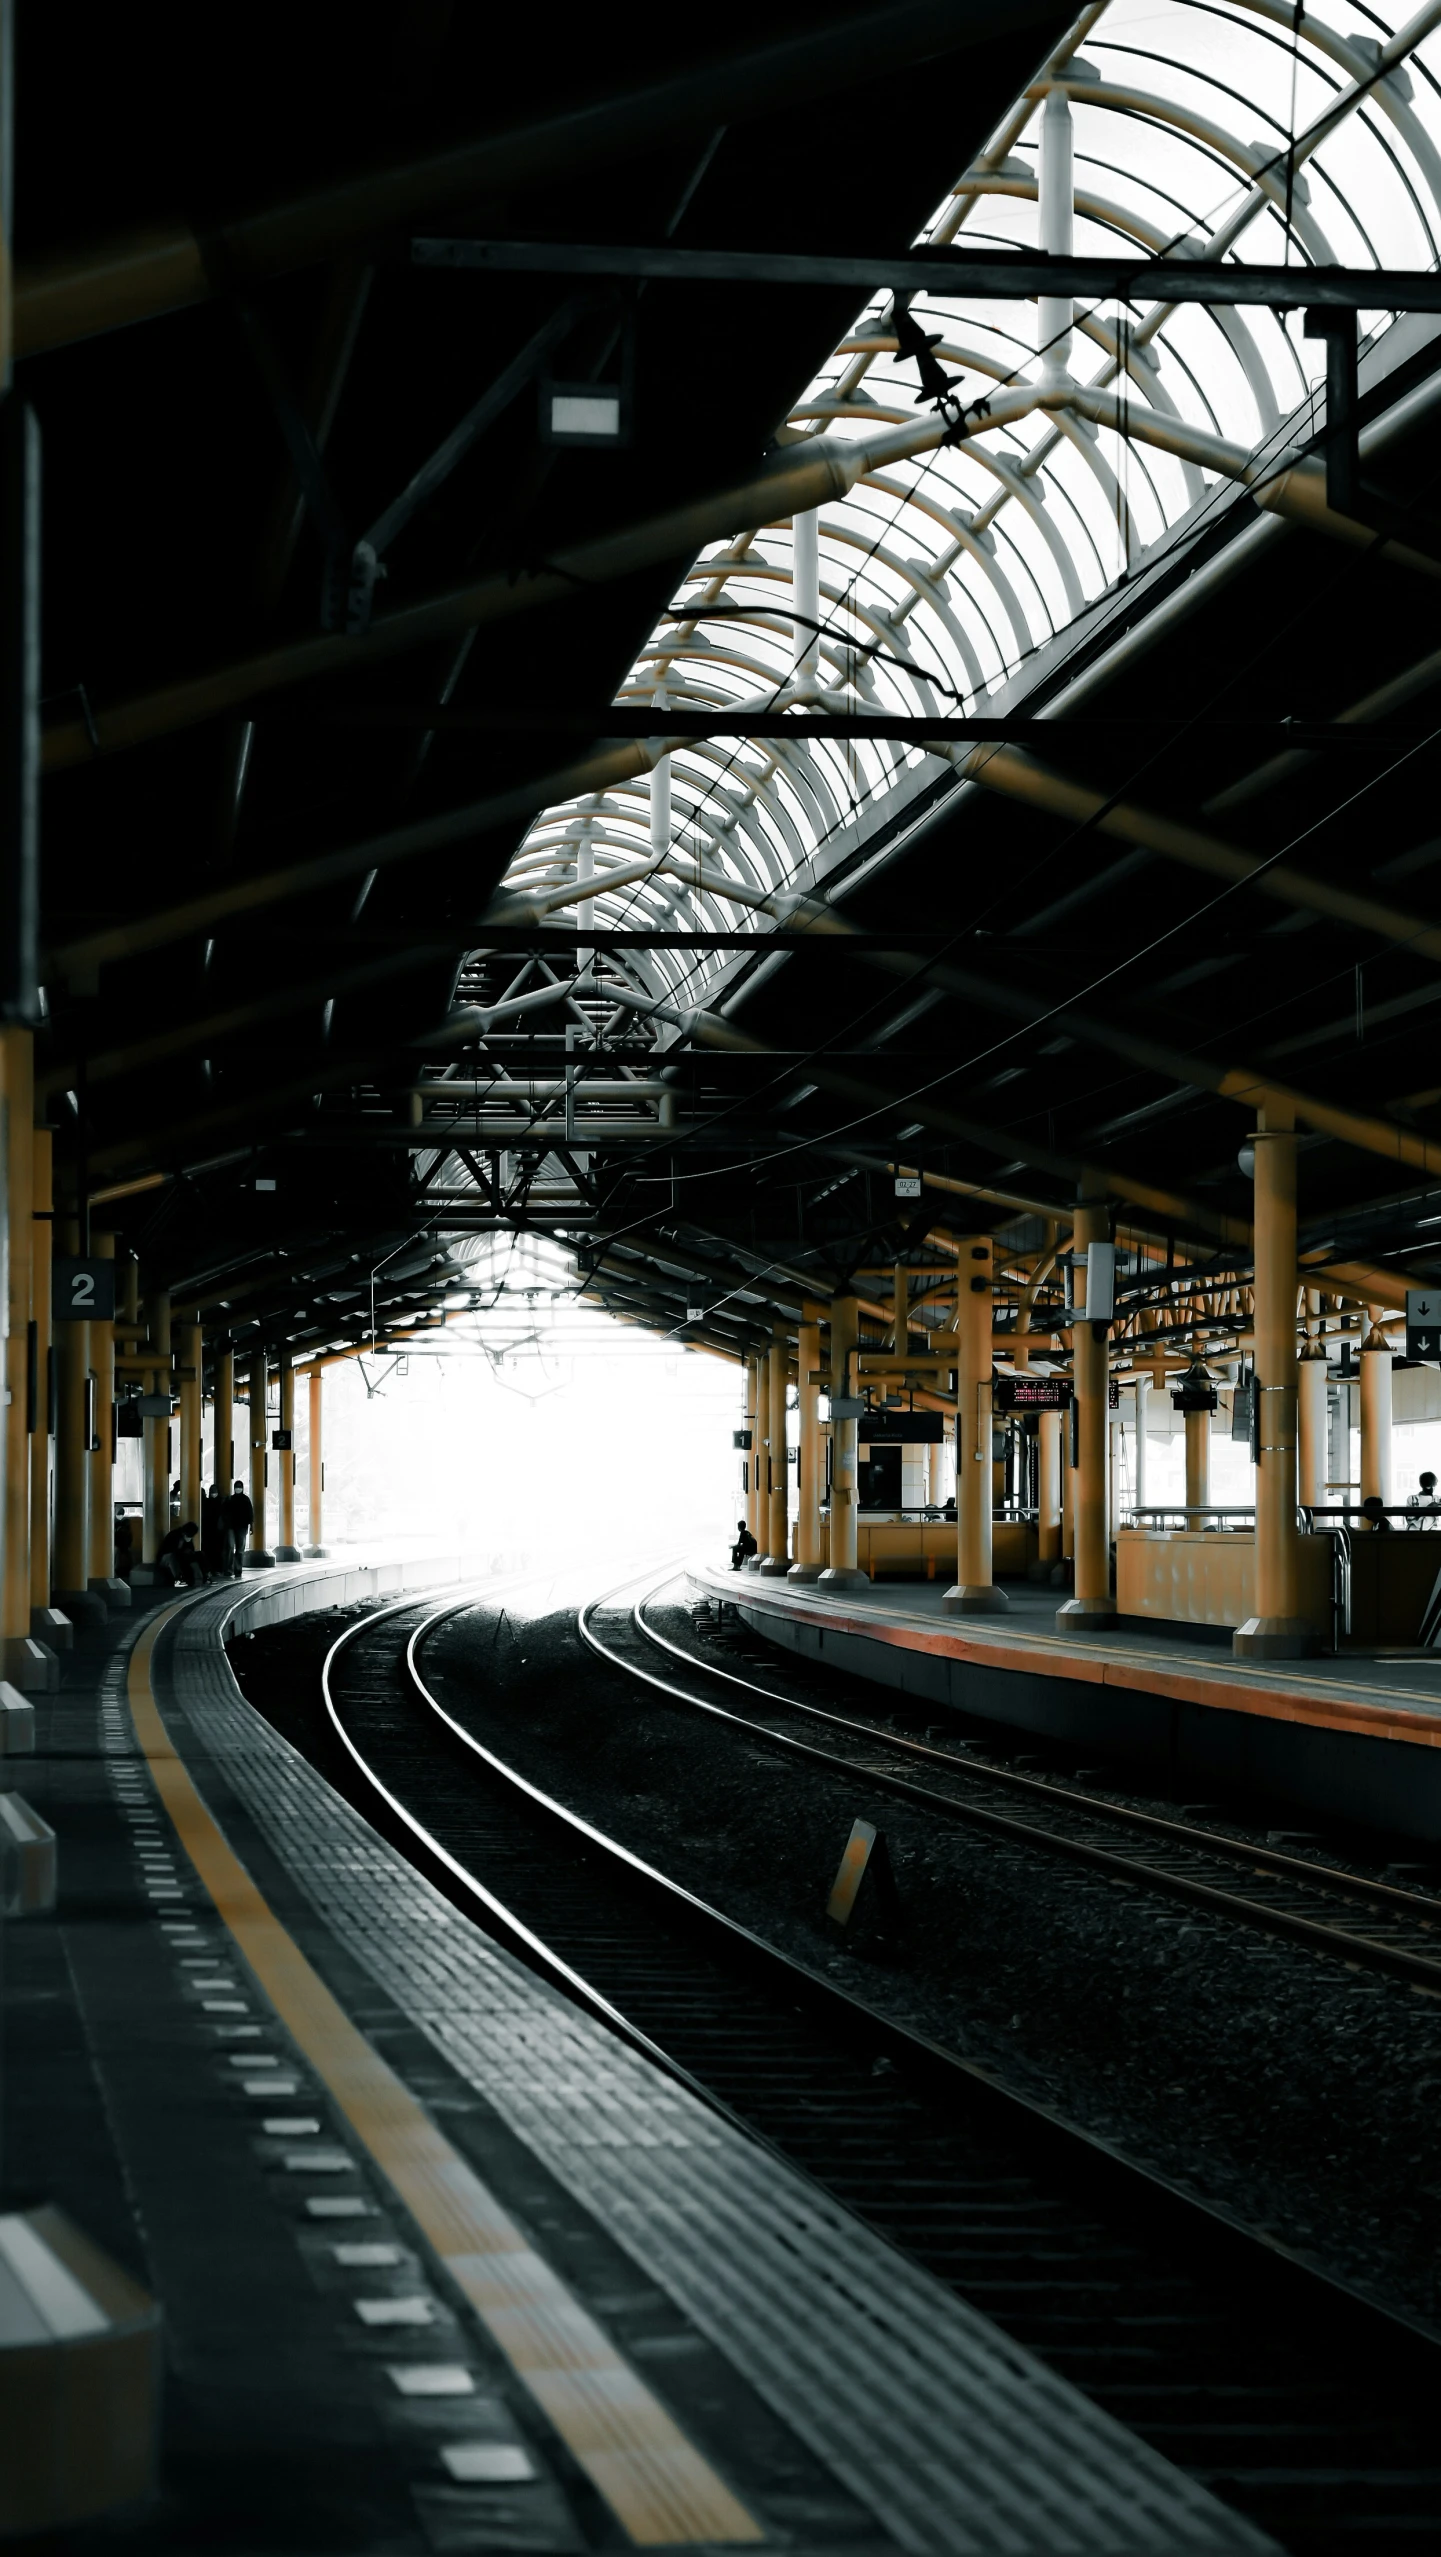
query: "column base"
144, 1576
316, 1553
52, 1629
111, 1593
843, 1578
288, 1554
30, 1666
81, 1606
17, 1723
752, 1563
1042, 1568
1086, 1616
255, 1558
976, 1598
1275, 1638
774, 1567
805, 1571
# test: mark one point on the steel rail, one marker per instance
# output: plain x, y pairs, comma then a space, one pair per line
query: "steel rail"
1419, 1969
1084, 2161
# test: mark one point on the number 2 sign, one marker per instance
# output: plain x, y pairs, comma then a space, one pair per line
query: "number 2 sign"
82, 1291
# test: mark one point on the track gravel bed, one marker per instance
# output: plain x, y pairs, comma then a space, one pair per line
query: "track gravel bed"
1300, 2095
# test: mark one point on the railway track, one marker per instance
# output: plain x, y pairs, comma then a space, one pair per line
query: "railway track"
1359, 1919
1294, 2399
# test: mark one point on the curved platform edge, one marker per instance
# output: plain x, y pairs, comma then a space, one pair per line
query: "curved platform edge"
1315, 1739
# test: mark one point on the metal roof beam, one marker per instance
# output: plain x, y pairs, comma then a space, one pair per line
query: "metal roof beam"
172, 267
1013, 275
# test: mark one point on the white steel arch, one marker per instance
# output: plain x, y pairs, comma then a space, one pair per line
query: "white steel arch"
1225, 128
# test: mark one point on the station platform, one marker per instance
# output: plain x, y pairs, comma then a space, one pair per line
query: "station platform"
441, 2263
1352, 1736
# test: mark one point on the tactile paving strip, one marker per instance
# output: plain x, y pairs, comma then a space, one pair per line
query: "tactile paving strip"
954, 2436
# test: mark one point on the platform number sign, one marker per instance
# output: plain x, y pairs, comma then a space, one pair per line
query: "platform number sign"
82, 1291
1423, 1324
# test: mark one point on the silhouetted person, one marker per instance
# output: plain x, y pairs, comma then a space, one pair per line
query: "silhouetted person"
1373, 1510
1425, 1499
124, 1548
239, 1519
212, 1531
177, 1557
745, 1544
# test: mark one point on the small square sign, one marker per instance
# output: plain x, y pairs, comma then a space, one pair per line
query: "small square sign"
82, 1291
908, 1185
1423, 1324
282, 1440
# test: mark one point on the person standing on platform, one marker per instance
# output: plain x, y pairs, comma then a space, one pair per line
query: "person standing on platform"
212, 1532
239, 1519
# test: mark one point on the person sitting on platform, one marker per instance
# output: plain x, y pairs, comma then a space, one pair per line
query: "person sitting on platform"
1373, 1510
178, 1559
239, 1519
745, 1544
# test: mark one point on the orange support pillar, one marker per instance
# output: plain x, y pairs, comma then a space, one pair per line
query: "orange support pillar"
1092, 1608
974, 1592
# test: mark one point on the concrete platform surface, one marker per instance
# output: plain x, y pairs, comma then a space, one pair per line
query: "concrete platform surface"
444, 2265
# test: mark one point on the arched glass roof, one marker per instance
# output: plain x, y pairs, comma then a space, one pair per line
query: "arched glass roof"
1246, 129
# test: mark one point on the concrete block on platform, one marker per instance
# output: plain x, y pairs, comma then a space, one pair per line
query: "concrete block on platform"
17, 1722
82, 1606
27, 1860
257, 1559
51, 1627
80, 2378
289, 1554
111, 1593
29, 1665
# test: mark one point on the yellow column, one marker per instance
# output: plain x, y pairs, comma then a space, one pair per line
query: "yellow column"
778, 1544
1277, 1631
842, 1571
225, 1421
1143, 1397
287, 1550
100, 1529
1375, 1410
974, 1592
1050, 1454
1092, 1607
72, 1454
157, 1431
190, 1387
1198, 1456
755, 1423
1311, 1410
46, 1623
17, 1068
807, 1564
316, 1545
258, 1557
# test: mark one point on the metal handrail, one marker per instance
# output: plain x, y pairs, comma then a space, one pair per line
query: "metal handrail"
1192, 1509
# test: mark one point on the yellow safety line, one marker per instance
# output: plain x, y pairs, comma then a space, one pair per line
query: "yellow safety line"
657, 2484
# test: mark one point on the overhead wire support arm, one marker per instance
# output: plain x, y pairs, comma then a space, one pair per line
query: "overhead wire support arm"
367, 563
983, 275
